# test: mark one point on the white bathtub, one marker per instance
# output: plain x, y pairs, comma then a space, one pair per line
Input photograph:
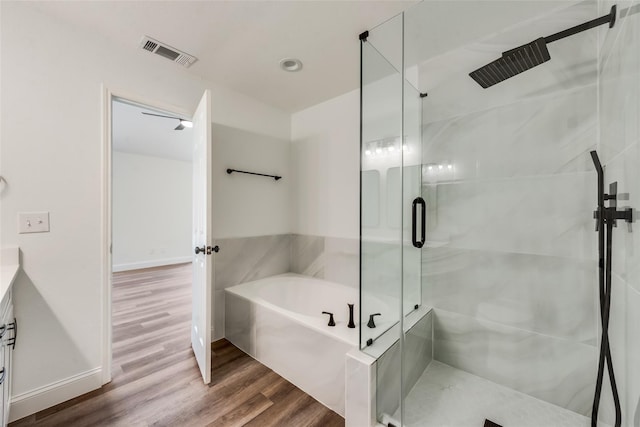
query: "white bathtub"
278, 321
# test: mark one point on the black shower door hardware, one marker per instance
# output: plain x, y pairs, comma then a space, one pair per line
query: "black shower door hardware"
276, 177
423, 220
208, 250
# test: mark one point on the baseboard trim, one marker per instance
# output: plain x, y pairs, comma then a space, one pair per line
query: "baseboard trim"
148, 264
28, 403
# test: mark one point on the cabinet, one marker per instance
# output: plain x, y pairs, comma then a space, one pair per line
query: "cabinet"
8, 333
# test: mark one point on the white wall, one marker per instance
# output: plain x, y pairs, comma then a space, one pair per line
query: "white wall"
246, 205
152, 211
326, 168
51, 158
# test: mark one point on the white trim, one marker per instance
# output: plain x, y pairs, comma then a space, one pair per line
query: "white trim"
151, 263
105, 246
108, 95
49, 395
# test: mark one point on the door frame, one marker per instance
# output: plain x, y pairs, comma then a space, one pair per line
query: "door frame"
108, 95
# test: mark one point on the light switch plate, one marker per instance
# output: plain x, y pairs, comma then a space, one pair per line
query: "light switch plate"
33, 222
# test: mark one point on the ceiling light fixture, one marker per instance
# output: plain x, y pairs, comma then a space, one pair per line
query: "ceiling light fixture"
291, 64
183, 123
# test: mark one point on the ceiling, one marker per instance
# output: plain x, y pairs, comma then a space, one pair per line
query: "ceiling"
137, 133
239, 43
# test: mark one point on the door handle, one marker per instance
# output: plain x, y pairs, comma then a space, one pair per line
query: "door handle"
208, 250
423, 220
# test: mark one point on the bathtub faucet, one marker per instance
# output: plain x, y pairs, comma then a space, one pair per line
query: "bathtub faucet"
351, 323
372, 323
331, 322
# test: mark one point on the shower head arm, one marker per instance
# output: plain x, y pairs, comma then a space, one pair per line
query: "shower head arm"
607, 19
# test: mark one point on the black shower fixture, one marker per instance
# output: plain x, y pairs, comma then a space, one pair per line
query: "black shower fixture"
525, 57
183, 123
606, 218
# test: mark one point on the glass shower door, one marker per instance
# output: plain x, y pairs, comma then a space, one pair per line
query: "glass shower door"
392, 219
381, 237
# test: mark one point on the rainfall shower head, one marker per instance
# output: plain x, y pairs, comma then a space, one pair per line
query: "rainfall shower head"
514, 61
525, 57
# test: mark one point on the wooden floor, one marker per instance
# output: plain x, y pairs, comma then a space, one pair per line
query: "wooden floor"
156, 381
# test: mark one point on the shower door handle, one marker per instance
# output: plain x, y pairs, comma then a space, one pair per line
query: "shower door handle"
423, 220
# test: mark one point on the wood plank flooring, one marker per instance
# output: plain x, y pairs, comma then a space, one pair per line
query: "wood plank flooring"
156, 381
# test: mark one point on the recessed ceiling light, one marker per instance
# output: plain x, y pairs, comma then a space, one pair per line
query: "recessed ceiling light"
291, 64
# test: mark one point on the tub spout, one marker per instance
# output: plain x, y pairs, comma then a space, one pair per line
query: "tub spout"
331, 322
351, 323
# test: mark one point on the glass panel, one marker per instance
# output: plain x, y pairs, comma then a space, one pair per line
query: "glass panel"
510, 260
411, 147
381, 232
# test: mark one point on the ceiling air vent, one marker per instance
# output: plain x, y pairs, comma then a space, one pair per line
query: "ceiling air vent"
167, 51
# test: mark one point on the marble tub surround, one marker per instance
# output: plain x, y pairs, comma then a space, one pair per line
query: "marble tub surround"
307, 255
332, 258
283, 329
555, 370
342, 260
244, 259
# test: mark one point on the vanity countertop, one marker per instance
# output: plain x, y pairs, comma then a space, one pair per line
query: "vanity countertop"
9, 266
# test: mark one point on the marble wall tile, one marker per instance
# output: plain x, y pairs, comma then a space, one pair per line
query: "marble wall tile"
242, 260
541, 136
382, 268
307, 255
388, 382
573, 65
245, 259
618, 341
549, 295
550, 215
360, 390
631, 416
619, 83
619, 110
558, 371
342, 261
624, 170
418, 353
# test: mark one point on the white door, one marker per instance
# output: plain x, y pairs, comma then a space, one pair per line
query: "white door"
202, 258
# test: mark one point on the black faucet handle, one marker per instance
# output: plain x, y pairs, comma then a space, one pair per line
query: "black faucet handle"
331, 322
371, 322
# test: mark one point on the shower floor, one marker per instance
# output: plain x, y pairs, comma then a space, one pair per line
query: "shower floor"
449, 397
